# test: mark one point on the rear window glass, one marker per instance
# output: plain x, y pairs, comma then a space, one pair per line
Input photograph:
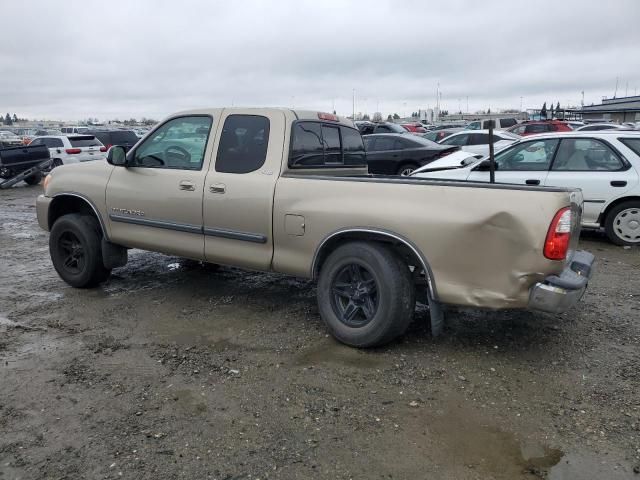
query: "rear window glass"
316, 144
508, 122
85, 141
124, 137
632, 143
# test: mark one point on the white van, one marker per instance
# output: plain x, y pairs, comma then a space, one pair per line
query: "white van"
501, 123
71, 130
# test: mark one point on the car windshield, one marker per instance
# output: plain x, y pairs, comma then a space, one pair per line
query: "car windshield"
424, 142
509, 136
396, 128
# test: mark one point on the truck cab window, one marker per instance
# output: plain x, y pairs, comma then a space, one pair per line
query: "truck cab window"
243, 144
178, 144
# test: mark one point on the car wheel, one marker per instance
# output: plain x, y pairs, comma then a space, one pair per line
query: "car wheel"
622, 224
76, 251
407, 169
366, 295
56, 163
34, 179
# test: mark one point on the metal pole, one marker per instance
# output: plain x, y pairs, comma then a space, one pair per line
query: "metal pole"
492, 159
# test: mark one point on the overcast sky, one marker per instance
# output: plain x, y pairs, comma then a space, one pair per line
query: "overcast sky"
131, 58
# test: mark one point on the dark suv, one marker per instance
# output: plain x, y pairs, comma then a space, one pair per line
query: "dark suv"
124, 138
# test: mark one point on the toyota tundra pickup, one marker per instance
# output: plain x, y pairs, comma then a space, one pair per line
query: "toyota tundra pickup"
289, 191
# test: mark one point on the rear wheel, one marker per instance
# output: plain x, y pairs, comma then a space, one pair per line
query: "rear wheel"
34, 179
76, 251
622, 224
56, 163
366, 296
407, 169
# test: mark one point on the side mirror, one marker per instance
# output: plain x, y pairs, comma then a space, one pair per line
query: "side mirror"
117, 156
485, 166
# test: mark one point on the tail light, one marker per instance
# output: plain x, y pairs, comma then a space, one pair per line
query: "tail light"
558, 238
108, 146
72, 151
103, 149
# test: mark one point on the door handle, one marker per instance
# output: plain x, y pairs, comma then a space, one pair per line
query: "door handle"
218, 188
186, 185
618, 183
532, 182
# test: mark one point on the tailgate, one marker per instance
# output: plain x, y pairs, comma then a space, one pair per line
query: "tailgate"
24, 157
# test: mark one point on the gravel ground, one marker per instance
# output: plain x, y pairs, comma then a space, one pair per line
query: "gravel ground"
171, 371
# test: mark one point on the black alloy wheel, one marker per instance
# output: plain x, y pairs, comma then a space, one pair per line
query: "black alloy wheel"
354, 295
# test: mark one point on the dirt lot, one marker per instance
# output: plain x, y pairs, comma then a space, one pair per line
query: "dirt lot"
173, 371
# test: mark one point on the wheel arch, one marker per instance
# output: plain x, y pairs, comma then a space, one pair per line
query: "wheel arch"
401, 244
71, 202
602, 218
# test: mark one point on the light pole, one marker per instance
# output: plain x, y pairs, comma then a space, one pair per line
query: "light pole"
520, 104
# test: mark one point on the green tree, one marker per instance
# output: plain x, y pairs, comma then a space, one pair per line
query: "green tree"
396, 116
543, 110
389, 118
7, 119
366, 117
488, 111
15, 118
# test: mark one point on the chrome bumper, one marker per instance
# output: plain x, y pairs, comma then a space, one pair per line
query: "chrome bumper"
560, 292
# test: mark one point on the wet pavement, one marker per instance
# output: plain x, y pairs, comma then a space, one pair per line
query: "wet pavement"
171, 370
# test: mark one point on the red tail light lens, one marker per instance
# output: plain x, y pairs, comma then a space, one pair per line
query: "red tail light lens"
72, 151
558, 238
328, 116
103, 149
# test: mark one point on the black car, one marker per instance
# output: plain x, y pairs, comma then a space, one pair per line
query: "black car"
398, 154
124, 138
368, 128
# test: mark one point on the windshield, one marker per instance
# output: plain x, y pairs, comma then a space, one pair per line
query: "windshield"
424, 142
396, 128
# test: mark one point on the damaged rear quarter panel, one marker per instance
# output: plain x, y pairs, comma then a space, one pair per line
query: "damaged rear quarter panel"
484, 245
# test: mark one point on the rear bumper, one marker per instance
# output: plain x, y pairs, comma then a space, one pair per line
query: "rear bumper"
559, 293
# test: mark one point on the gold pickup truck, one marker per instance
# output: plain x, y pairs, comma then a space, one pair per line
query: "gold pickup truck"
289, 191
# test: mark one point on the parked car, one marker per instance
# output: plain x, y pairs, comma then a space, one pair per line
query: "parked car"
370, 128
23, 160
9, 139
75, 129
605, 165
414, 128
500, 124
574, 124
287, 191
72, 149
477, 141
540, 126
596, 127
437, 135
124, 138
396, 154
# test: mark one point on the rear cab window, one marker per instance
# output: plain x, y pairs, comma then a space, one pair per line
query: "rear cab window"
320, 144
632, 144
84, 141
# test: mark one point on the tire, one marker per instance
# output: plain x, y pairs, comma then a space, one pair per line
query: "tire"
383, 296
622, 224
34, 179
406, 169
56, 163
76, 252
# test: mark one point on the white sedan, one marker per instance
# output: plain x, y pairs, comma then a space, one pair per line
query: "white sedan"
604, 164
477, 141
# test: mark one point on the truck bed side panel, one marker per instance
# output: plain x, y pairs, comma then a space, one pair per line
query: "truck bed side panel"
483, 245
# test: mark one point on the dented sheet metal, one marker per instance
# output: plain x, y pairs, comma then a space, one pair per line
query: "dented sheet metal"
483, 244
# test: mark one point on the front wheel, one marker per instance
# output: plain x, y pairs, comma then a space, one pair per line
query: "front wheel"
76, 251
622, 224
406, 170
366, 296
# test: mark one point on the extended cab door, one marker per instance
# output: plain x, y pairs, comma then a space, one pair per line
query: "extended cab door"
526, 163
593, 166
239, 188
155, 202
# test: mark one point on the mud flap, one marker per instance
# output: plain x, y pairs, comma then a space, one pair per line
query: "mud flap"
437, 317
113, 255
